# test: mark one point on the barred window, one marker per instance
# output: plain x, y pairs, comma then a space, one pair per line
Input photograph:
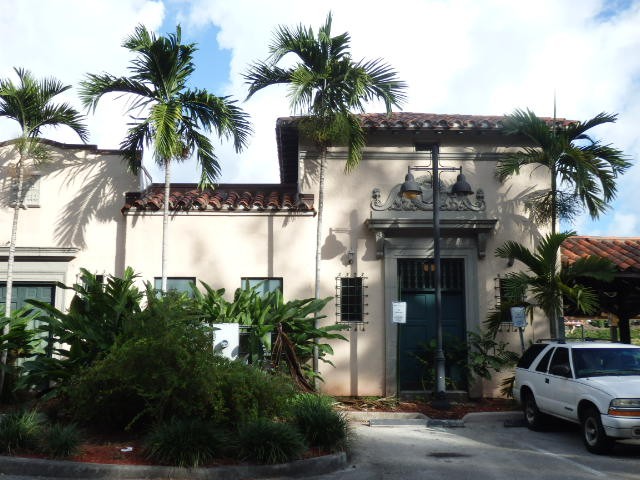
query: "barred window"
350, 299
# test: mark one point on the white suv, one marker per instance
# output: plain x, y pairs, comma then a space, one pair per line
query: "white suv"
595, 384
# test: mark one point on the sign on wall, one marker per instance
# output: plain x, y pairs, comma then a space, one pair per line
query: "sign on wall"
518, 317
399, 312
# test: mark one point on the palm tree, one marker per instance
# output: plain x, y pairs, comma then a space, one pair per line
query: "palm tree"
30, 103
583, 170
326, 86
168, 115
547, 283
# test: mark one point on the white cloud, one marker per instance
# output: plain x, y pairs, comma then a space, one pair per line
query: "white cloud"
68, 38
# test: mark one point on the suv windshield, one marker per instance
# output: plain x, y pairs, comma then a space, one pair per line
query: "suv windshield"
593, 362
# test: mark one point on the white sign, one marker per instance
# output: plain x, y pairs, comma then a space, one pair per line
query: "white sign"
518, 317
399, 312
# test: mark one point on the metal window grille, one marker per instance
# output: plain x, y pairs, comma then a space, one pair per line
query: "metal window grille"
351, 300
419, 274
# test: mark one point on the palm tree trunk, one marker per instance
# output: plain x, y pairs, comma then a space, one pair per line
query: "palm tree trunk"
323, 165
554, 199
10, 262
165, 222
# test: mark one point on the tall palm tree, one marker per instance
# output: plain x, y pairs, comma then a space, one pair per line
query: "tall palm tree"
326, 87
30, 103
583, 170
166, 113
547, 283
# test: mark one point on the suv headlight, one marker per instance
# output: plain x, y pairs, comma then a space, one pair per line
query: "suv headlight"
625, 407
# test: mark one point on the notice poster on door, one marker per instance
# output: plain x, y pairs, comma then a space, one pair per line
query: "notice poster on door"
399, 312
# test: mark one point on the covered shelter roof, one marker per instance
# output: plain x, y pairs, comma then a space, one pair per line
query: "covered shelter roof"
624, 252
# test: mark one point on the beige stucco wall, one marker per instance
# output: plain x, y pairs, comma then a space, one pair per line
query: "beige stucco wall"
221, 248
361, 365
83, 190
81, 193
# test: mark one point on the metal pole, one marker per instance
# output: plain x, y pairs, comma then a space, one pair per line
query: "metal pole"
440, 400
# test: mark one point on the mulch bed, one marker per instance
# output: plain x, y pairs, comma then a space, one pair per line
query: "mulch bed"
456, 411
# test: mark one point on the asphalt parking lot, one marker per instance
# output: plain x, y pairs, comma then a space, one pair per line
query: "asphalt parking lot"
483, 449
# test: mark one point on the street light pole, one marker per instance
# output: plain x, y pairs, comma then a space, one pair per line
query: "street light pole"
441, 388
411, 189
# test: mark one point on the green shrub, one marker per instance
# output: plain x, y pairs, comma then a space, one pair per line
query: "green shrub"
250, 393
321, 425
167, 369
61, 441
20, 431
266, 441
184, 442
171, 372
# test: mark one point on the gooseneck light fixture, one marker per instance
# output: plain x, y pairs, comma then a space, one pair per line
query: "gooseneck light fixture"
410, 189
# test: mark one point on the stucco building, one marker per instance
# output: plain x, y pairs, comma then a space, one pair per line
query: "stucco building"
377, 245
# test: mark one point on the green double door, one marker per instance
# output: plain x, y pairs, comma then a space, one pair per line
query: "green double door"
417, 337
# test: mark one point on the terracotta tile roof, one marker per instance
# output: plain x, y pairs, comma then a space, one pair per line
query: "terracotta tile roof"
623, 251
429, 121
224, 197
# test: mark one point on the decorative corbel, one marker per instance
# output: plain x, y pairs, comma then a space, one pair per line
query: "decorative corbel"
379, 245
482, 244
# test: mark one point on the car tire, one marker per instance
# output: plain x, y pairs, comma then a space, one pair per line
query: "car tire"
533, 417
593, 434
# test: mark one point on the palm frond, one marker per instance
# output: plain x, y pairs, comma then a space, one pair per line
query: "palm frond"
356, 142
261, 75
94, 87
592, 266
517, 251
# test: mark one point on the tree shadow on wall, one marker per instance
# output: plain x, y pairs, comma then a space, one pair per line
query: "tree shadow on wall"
99, 198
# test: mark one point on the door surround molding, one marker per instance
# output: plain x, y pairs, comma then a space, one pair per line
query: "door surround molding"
405, 247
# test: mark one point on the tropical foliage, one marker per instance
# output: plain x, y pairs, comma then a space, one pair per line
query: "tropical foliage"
583, 170
545, 283
175, 118
97, 316
30, 102
264, 313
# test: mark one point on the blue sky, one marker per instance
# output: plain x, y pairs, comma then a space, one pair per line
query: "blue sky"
458, 56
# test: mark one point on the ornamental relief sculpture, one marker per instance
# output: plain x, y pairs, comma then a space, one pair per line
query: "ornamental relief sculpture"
450, 202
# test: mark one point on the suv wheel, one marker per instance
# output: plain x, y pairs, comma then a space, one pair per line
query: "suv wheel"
533, 417
593, 434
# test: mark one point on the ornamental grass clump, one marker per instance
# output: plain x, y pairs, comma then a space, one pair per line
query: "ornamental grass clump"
61, 441
322, 426
269, 442
20, 431
185, 442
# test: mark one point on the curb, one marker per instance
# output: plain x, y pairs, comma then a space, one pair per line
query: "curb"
67, 469
400, 419
484, 417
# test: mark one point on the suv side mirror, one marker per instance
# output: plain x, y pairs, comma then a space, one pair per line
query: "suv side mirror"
561, 370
